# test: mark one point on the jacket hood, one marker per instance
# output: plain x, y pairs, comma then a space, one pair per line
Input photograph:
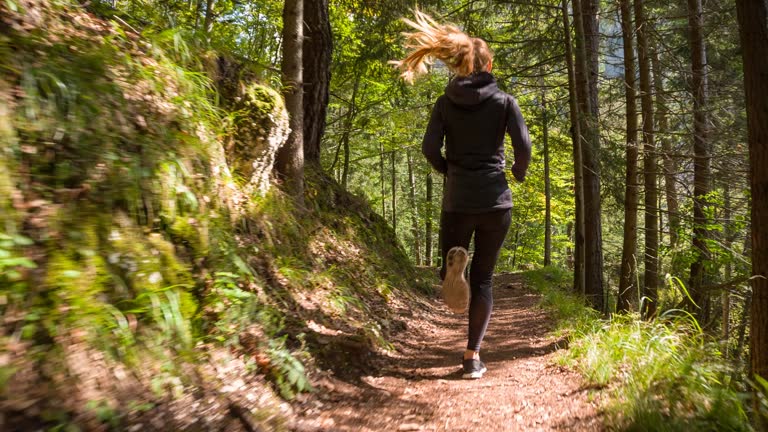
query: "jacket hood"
471, 90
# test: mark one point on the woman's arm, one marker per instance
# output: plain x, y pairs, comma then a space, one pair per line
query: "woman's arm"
433, 139
521, 140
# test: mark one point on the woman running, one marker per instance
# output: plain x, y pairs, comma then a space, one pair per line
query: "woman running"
470, 119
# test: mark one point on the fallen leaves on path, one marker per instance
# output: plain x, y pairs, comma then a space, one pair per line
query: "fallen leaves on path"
419, 387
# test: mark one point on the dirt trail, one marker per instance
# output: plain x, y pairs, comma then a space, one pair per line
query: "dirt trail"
420, 388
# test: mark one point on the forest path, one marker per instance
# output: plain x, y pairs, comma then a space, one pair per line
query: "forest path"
420, 388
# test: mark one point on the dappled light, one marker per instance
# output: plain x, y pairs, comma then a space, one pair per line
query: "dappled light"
354, 215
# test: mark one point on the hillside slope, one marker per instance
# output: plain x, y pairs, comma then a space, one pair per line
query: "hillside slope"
149, 279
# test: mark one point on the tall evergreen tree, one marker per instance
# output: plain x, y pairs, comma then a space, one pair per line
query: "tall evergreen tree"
586, 67
701, 159
651, 277
627, 286
316, 58
290, 157
753, 24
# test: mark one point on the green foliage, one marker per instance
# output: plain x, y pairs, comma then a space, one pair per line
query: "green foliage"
287, 371
661, 375
553, 283
671, 378
105, 413
10, 262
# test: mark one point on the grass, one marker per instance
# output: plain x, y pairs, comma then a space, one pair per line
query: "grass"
662, 375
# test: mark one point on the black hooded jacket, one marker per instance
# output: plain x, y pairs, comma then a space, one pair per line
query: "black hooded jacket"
470, 119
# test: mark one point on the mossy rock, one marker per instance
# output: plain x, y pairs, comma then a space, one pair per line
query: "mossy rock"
147, 264
78, 282
261, 128
192, 233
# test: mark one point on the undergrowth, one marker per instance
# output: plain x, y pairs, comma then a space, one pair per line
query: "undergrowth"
128, 244
660, 375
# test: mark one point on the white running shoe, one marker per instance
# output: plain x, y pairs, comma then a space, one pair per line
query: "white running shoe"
455, 287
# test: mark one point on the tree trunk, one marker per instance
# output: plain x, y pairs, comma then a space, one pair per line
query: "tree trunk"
628, 277
660, 224
568, 249
428, 223
701, 162
345, 166
290, 157
381, 180
590, 10
547, 191
753, 16
394, 192
651, 277
345, 136
198, 7
318, 47
741, 334
662, 122
726, 295
208, 21
578, 180
414, 210
586, 76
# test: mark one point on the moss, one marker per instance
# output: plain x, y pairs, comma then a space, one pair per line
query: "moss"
78, 282
262, 101
8, 141
192, 233
176, 272
261, 127
148, 264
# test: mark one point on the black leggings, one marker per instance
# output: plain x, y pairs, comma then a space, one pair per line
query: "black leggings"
490, 230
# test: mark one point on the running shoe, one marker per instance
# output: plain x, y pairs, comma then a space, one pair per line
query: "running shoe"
473, 369
455, 287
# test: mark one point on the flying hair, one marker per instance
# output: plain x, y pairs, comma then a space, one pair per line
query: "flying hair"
462, 54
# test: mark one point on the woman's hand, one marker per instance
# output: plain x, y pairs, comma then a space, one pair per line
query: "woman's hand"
518, 173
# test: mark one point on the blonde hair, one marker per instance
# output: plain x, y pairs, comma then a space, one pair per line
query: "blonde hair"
463, 54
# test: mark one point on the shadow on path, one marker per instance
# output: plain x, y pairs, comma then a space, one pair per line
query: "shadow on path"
419, 387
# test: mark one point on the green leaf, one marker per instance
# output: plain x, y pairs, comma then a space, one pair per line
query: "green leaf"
12, 5
23, 241
17, 262
72, 274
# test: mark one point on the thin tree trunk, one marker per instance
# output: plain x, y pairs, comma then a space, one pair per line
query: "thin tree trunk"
726, 295
345, 136
578, 183
627, 288
753, 16
334, 167
428, 222
317, 50
586, 75
590, 11
662, 123
568, 249
394, 192
701, 162
547, 191
516, 246
660, 216
198, 6
208, 22
345, 166
383, 184
290, 157
414, 210
651, 277
747, 312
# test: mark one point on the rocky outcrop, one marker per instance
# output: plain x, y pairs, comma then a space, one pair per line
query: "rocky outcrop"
261, 128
